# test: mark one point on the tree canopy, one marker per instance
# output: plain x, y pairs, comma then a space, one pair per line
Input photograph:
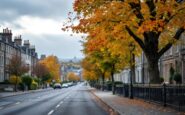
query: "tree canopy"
152, 25
53, 65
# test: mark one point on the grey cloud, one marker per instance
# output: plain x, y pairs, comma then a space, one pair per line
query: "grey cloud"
64, 46
12, 9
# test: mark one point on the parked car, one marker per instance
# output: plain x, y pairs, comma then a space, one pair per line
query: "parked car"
57, 86
65, 85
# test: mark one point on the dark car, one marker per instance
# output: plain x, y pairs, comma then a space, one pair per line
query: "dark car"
57, 86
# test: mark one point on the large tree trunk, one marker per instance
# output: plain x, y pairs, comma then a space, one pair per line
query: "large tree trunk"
153, 71
103, 81
133, 68
113, 84
152, 55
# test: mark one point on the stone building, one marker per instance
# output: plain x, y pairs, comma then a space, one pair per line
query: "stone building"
8, 48
174, 57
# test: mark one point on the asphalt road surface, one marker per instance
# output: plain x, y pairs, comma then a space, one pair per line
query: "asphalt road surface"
75, 100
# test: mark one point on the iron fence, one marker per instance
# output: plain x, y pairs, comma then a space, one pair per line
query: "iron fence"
168, 95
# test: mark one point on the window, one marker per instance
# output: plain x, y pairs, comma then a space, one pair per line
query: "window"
177, 48
1, 75
171, 51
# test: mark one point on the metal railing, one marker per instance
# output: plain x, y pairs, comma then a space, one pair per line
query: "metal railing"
167, 95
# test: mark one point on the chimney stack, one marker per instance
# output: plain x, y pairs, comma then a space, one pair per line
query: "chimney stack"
32, 47
27, 43
7, 35
18, 40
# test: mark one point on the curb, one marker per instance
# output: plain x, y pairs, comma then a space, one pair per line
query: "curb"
114, 110
22, 93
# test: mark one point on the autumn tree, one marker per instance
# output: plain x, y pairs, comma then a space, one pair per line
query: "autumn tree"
153, 25
89, 72
107, 62
16, 68
42, 72
71, 76
53, 65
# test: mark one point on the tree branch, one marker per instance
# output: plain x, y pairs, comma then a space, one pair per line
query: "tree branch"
151, 6
137, 7
168, 46
164, 49
172, 16
136, 38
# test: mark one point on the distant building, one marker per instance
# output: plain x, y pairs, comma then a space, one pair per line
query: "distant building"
70, 66
42, 57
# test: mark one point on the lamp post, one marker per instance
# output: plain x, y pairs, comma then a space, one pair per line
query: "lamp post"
181, 59
131, 48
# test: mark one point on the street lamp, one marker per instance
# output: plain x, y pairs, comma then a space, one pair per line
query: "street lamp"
131, 48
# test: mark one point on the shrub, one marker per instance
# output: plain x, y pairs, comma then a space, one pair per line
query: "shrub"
161, 79
34, 85
109, 82
118, 82
27, 80
14, 79
21, 86
177, 77
5, 82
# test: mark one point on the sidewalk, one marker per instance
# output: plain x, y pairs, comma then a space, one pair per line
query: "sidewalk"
8, 94
126, 106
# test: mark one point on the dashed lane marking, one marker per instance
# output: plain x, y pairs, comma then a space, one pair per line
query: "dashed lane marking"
17, 103
50, 112
58, 106
61, 102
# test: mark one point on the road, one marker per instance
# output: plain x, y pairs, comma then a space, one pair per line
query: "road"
75, 100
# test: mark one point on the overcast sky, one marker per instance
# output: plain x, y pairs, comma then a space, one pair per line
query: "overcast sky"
40, 22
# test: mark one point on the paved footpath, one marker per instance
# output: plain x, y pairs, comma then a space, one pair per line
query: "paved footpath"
7, 94
126, 106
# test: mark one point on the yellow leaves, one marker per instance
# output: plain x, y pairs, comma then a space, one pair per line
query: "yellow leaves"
89, 75
52, 64
71, 76
152, 25
90, 70
107, 39
14, 79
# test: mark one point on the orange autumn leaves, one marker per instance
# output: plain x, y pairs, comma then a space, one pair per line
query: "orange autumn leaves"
112, 17
71, 76
111, 25
52, 64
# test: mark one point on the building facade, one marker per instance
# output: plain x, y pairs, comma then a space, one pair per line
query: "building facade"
174, 57
10, 47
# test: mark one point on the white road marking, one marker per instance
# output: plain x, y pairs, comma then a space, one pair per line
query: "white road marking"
50, 112
38, 97
1, 107
17, 103
58, 106
61, 102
